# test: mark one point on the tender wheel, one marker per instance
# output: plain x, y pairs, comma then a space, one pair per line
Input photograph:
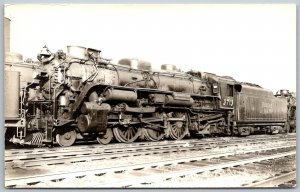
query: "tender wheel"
66, 139
126, 134
105, 138
179, 128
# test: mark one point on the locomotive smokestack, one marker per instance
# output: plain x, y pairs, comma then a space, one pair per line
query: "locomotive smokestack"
7, 34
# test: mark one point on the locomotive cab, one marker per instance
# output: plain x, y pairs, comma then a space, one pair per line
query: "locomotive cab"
227, 92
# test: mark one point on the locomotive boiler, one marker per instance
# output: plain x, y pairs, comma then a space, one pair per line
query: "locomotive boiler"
80, 95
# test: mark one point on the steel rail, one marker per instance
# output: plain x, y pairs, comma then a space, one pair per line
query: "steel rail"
17, 152
24, 154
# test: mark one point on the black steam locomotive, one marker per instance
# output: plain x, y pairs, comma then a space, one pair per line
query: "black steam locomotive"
80, 95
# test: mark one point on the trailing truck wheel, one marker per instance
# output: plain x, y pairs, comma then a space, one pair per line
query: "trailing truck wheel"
126, 134
179, 128
66, 138
105, 138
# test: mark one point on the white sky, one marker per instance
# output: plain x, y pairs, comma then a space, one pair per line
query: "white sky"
252, 43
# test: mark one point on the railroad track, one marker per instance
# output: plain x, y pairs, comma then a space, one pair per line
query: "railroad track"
87, 147
23, 153
280, 179
136, 174
71, 156
275, 172
281, 172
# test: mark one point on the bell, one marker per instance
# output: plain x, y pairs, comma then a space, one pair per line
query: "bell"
45, 51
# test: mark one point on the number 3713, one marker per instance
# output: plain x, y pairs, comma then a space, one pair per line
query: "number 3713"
228, 102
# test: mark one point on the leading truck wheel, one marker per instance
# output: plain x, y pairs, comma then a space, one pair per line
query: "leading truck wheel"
66, 139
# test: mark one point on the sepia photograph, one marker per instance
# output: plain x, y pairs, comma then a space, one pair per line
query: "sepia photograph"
149, 96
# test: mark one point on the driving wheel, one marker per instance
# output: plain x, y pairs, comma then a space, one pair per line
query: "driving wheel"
152, 134
179, 128
126, 134
106, 137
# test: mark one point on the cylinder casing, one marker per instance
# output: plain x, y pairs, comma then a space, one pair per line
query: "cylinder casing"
95, 117
11, 93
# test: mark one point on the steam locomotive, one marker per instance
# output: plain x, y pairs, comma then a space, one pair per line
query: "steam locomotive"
81, 96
